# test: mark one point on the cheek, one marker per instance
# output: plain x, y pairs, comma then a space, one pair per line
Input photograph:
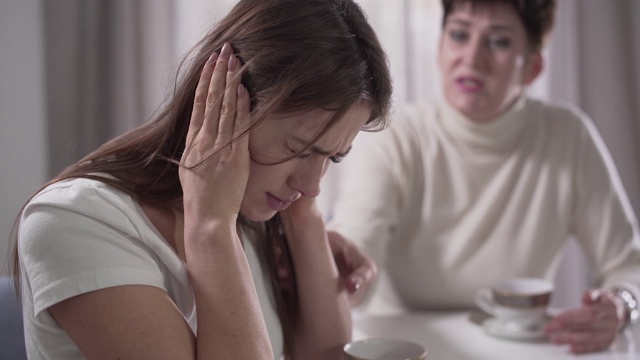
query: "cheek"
326, 168
257, 177
445, 59
511, 67
268, 176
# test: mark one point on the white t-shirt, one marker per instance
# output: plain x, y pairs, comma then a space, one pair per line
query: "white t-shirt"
82, 235
447, 205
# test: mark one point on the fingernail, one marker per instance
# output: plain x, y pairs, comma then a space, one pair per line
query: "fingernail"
356, 283
240, 91
233, 62
226, 50
212, 59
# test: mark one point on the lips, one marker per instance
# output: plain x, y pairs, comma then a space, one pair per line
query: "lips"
279, 204
469, 84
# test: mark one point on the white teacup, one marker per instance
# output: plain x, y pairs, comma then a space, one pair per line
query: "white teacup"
383, 349
519, 302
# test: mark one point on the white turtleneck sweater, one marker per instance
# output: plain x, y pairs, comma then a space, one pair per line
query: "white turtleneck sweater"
447, 205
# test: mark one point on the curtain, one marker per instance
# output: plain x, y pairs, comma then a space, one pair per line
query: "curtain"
110, 64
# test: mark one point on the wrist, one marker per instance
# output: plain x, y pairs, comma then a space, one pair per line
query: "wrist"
205, 231
629, 304
298, 223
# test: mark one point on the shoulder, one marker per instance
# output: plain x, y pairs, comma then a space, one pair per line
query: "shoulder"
410, 126
564, 123
415, 117
79, 206
87, 196
558, 115
80, 235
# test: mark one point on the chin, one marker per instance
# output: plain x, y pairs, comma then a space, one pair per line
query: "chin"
469, 109
258, 216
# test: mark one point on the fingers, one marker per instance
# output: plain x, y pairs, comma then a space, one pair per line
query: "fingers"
242, 118
228, 109
593, 327
602, 314
587, 341
574, 319
218, 100
336, 241
215, 92
364, 274
591, 296
357, 269
365, 270
200, 99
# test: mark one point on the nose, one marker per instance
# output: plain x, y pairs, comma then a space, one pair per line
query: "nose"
306, 178
474, 53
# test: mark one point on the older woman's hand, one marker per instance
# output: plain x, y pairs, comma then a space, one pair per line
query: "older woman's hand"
592, 327
357, 270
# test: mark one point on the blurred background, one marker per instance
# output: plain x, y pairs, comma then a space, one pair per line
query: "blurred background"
74, 73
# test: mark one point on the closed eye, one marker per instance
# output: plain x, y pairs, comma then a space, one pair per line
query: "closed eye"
317, 151
336, 159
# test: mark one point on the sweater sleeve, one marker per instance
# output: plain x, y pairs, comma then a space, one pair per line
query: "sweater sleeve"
604, 221
377, 180
74, 239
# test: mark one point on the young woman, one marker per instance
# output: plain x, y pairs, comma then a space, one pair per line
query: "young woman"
170, 241
487, 183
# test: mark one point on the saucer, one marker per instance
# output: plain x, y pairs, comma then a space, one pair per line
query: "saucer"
384, 349
499, 329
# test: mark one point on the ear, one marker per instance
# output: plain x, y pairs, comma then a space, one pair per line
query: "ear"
535, 65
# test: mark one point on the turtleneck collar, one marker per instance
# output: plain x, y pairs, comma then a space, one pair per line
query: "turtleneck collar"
497, 135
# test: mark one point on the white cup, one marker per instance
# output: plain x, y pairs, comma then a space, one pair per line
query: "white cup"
383, 349
519, 302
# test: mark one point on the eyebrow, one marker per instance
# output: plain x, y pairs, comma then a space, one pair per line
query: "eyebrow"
318, 150
495, 27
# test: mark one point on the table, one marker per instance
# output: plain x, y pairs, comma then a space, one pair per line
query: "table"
460, 336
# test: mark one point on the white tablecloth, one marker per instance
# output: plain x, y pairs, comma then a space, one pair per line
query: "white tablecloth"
461, 336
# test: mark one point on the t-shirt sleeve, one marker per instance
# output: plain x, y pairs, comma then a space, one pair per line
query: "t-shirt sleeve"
76, 239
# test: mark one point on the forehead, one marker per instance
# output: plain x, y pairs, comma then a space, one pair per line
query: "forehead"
303, 127
493, 15
314, 120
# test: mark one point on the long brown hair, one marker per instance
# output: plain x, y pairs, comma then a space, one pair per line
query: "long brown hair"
297, 55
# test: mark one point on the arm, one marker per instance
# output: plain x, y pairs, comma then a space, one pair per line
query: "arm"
230, 322
114, 303
605, 226
324, 323
375, 182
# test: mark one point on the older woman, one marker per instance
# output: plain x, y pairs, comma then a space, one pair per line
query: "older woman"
487, 183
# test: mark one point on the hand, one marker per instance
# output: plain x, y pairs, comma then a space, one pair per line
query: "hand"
592, 327
215, 165
357, 270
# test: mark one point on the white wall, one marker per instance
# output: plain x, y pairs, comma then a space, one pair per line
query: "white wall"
22, 121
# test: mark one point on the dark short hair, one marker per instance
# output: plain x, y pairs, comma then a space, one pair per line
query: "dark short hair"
537, 16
